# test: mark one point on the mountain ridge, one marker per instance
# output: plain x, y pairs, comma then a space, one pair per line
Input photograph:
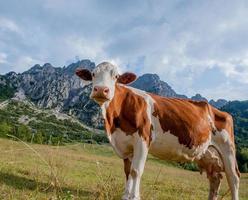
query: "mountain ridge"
59, 88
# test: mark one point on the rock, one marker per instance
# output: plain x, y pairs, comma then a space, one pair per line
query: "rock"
19, 95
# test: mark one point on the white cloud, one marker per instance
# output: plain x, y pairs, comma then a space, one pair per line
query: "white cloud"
3, 58
92, 49
226, 90
24, 62
9, 25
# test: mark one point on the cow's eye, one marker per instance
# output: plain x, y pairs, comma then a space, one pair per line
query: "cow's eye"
116, 77
93, 74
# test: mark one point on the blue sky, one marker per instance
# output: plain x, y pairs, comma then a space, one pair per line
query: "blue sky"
195, 46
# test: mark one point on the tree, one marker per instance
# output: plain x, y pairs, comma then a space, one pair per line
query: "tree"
38, 138
5, 129
24, 133
242, 157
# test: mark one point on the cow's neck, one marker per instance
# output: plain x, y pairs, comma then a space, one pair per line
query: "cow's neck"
113, 108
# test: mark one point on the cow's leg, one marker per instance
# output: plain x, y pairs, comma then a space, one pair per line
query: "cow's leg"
229, 161
129, 181
137, 167
227, 152
214, 185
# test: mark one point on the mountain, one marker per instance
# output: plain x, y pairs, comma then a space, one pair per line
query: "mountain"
57, 88
60, 89
8, 85
219, 103
198, 97
152, 83
22, 119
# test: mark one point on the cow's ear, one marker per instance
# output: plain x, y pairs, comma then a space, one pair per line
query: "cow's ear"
126, 78
84, 74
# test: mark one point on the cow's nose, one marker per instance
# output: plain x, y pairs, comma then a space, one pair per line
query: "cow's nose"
101, 90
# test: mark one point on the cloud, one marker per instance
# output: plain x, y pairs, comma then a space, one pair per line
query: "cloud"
3, 58
9, 25
226, 89
81, 47
191, 48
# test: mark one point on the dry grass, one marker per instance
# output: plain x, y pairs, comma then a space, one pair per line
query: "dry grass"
85, 171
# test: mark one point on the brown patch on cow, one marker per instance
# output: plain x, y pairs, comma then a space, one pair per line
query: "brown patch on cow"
134, 173
223, 120
127, 167
128, 112
186, 119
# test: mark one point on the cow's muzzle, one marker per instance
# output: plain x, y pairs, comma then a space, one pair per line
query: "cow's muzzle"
100, 94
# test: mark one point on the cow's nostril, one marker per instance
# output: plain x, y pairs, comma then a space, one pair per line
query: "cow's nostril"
106, 90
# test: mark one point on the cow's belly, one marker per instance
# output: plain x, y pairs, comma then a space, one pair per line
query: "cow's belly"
122, 143
167, 147
164, 146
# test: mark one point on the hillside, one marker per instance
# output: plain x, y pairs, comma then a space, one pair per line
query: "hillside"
84, 171
24, 120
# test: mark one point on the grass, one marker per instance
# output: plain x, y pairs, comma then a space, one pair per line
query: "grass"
85, 171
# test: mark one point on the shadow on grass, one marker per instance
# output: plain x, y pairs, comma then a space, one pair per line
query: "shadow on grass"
23, 183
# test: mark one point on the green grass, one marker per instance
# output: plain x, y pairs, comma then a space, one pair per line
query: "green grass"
86, 171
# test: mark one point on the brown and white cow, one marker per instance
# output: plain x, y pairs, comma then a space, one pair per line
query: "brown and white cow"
183, 130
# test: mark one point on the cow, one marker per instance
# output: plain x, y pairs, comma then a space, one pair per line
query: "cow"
183, 130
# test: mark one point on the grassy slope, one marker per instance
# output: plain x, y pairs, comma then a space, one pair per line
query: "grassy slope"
52, 126
85, 171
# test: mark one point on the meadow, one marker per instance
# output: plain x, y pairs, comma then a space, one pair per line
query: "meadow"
90, 171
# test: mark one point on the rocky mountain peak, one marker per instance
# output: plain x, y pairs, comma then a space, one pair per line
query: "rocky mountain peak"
48, 68
34, 69
219, 103
198, 97
47, 65
70, 69
152, 83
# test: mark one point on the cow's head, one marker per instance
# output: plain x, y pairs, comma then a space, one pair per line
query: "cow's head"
104, 78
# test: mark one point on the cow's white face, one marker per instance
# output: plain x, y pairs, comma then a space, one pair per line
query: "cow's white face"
104, 78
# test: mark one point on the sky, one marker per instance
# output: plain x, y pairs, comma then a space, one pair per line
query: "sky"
195, 46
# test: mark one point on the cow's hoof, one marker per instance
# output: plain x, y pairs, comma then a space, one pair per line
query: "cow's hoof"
134, 198
125, 197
